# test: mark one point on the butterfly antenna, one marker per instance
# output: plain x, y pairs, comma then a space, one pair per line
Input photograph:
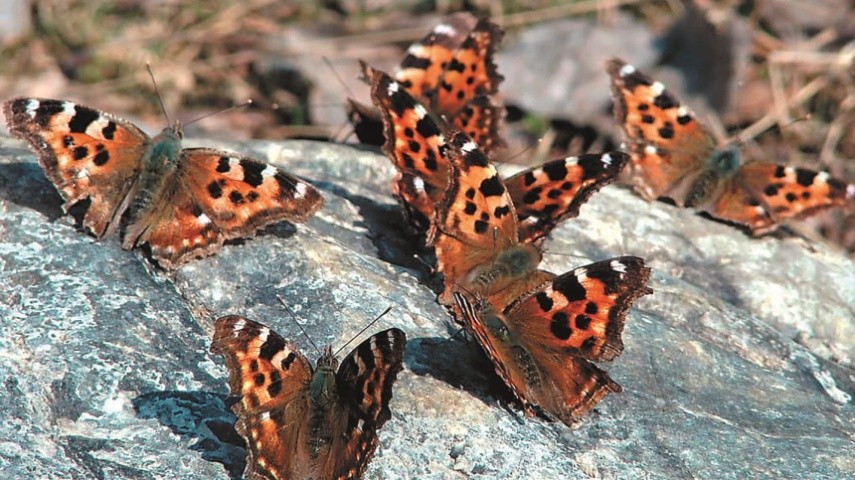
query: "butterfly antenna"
337, 76
157, 92
388, 309
294, 316
225, 110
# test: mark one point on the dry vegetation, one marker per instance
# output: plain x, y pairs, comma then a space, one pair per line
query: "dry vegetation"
790, 91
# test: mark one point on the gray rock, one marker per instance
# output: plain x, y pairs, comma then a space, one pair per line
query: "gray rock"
556, 69
106, 370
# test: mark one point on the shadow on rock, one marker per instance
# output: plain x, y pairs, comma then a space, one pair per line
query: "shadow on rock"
459, 363
203, 416
396, 243
25, 184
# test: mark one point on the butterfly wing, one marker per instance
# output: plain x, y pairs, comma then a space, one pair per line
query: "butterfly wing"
668, 146
454, 73
474, 232
550, 193
215, 196
364, 381
84, 152
761, 195
582, 312
426, 61
271, 377
414, 143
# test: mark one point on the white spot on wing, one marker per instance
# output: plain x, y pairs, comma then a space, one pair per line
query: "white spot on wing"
393, 87
68, 108
850, 191
239, 326
571, 161
650, 149
269, 171
419, 184
300, 189
420, 111
264, 416
263, 334
682, 111
95, 128
203, 219
657, 88
32, 106
618, 266
627, 70
607, 159
823, 177
469, 146
234, 162
582, 275
444, 29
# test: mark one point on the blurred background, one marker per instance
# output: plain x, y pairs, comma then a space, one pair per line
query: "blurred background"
781, 72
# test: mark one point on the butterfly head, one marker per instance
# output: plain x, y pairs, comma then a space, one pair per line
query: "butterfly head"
725, 160
166, 147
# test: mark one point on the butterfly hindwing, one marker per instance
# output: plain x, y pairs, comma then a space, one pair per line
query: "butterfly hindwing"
554, 191
86, 153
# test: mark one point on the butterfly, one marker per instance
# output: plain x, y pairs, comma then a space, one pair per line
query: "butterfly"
299, 422
539, 330
452, 72
674, 156
543, 195
543, 342
183, 203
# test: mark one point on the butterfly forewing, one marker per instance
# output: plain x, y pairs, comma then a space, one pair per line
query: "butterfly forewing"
554, 191
216, 196
414, 143
271, 377
582, 312
426, 61
667, 143
364, 382
86, 153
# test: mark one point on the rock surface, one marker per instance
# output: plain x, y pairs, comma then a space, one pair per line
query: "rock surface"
106, 372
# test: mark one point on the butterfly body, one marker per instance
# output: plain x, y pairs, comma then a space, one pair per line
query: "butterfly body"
183, 203
674, 156
506, 268
304, 423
